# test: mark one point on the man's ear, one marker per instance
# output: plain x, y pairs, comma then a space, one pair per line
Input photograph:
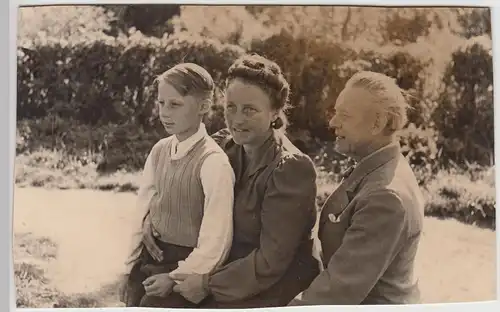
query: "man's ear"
380, 122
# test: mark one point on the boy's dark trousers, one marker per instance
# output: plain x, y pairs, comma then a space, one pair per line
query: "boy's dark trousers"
145, 267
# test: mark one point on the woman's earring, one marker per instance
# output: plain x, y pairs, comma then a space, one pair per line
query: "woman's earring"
277, 123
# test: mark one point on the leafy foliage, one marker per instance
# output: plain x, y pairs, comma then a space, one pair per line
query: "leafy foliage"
464, 116
90, 93
62, 22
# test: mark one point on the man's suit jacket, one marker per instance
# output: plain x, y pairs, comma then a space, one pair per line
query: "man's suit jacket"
369, 230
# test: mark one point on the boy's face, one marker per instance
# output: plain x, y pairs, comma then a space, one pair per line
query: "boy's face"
180, 115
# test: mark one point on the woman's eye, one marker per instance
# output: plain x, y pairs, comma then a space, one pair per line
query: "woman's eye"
249, 110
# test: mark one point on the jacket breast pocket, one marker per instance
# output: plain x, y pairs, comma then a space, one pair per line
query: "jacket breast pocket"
334, 221
335, 208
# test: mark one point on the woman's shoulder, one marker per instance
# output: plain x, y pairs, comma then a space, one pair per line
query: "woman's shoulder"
222, 137
292, 163
289, 153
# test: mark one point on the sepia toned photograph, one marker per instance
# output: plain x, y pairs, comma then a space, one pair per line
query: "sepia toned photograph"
213, 157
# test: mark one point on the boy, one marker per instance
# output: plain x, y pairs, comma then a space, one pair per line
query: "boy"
186, 196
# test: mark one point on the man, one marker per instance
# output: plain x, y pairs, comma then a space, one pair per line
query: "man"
370, 227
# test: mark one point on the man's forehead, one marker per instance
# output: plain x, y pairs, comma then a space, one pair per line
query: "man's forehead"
352, 98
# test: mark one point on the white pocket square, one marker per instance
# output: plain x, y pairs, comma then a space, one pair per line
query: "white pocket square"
333, 218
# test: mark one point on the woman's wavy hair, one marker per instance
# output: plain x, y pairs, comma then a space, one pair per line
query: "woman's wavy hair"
266, 74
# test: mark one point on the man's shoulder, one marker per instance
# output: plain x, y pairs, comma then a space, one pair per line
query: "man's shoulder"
396, 176
394, 182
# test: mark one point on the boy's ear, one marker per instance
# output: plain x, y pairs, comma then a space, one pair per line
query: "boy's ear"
205, 106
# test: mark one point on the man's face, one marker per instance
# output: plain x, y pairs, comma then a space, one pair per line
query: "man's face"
353, 121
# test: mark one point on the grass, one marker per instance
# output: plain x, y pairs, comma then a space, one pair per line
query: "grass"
54, 170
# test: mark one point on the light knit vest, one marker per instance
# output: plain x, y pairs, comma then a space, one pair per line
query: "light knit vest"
176, 210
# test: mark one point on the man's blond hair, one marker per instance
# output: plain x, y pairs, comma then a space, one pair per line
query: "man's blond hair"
386, 94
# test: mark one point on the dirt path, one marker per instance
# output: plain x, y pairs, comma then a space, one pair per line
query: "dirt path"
456, 263
89, 227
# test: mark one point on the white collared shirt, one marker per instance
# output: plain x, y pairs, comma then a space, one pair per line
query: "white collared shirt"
216, 232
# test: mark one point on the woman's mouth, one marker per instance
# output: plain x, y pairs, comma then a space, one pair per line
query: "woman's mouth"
238, 130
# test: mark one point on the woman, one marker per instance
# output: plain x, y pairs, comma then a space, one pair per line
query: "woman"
270, 261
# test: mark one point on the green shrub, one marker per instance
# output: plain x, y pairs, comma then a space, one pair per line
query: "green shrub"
458, 196
99, 95
107, 80
464, 115
59, 21
419, 147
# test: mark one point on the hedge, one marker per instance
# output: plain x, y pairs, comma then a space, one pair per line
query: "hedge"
97, 96
108, 80
104, 90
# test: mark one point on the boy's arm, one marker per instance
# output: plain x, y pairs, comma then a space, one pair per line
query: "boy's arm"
144, 195
216, 232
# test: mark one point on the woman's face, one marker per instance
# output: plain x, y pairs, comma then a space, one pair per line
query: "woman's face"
248, 112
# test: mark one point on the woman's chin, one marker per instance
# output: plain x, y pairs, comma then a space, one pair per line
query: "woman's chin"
240, 138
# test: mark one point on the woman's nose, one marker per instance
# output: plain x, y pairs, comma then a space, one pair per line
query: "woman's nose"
235, 118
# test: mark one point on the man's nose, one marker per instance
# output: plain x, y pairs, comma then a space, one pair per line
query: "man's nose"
332, 123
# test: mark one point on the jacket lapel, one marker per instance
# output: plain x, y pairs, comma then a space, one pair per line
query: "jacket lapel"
368, 165
262, 158
264, 155
338, 201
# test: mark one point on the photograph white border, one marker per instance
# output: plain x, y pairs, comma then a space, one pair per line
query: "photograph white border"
8, 20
